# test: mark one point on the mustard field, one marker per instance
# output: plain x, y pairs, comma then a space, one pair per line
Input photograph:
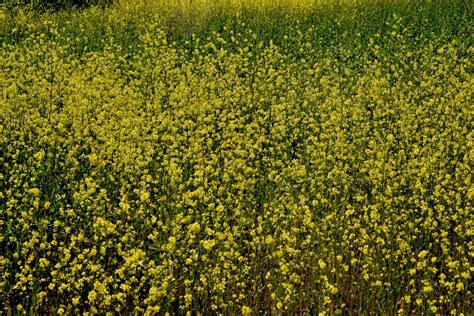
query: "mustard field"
237, 158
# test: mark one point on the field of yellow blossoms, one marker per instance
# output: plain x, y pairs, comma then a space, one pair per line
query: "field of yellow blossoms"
238, 157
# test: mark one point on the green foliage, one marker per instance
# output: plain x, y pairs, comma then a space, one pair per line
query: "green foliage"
41, 5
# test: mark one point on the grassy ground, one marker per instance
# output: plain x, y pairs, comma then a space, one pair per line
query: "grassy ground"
228, 157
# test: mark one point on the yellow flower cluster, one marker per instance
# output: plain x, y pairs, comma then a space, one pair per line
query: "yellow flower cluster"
231, 174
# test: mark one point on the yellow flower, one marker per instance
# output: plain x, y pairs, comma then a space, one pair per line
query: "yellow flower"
34, 191
321, 263
39, 155
246, 311
92, 296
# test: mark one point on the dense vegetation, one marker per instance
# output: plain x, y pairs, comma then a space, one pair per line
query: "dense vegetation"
232, 157
41, 5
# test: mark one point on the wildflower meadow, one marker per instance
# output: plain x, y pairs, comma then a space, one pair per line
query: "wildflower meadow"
237, 157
